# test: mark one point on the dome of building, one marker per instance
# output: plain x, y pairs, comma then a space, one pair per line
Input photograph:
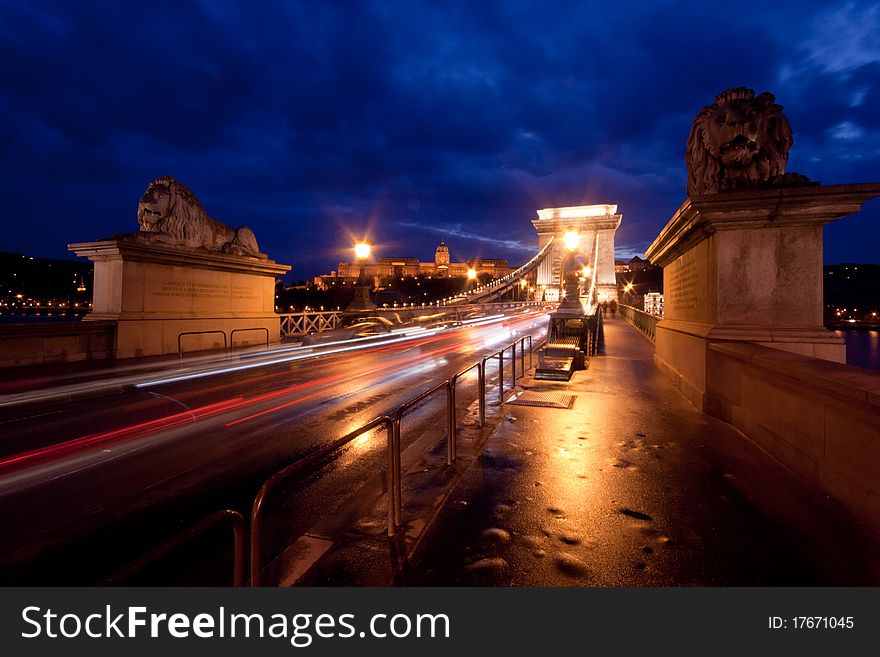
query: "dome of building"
441, 257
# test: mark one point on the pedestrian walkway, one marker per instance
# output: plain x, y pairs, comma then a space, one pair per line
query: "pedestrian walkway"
632, 486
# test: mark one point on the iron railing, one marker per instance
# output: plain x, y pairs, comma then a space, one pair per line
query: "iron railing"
180, 338
307, 323
393, 455
242, 330
392, 427
481, 386
644, 322
256, 563
228, 345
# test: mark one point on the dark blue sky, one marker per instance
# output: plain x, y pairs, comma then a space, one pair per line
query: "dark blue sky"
311, 122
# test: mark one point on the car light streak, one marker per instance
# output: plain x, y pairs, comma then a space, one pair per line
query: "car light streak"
169, 421
422, 359
273, 361
389, 368
417, 333
164, 422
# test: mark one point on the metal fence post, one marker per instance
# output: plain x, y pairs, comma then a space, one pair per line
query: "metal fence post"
256, 545
392, 514
450, 420
501, 376
394, 489
513, 366
295, 468
481, 374
530, 352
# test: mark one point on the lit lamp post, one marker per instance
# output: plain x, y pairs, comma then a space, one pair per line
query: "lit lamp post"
523, 284
587, 272
627, 291
571, 300
361, 300
472, 276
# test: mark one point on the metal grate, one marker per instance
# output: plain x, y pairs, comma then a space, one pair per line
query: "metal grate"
543, 399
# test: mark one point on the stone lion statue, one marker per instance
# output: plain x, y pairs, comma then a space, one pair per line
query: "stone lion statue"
741, 140
169, 212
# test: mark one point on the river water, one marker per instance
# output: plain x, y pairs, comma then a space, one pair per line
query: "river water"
862, 348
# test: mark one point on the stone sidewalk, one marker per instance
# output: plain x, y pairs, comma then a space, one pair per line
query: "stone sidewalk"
632, 486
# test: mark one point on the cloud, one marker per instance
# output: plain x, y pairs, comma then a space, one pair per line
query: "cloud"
845, 38
846, 130
457, 231
309, 120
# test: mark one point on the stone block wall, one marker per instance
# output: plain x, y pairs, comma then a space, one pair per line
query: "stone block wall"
820, 418
38, 343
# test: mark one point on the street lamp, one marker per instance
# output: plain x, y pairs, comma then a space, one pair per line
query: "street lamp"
361, 252
572, 300
627, 291
361, 300
471, 278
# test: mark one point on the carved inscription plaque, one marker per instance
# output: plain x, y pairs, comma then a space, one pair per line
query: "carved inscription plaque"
681, 286
198, 290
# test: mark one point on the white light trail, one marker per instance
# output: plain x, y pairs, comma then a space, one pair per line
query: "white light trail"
277, 361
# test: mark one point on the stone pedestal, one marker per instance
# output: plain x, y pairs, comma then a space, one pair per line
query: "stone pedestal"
361, 300
155, 293
571, 302
747, 266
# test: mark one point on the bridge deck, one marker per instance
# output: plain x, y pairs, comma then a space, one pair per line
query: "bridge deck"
634, 487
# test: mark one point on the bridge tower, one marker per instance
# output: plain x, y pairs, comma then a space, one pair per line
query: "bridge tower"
596, 225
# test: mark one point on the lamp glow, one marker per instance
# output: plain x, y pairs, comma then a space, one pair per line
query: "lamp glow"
472, 274
572, 239
361, 250
586, 272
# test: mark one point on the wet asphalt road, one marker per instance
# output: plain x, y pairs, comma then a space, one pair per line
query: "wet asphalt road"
86, 485
633, 487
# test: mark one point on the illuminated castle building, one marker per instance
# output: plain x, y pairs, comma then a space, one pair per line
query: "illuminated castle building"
386, 270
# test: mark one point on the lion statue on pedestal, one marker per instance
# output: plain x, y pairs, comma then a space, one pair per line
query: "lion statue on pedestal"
741, 140
169, 212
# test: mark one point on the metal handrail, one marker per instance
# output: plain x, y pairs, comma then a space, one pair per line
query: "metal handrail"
301, 323
180, 335
523, 353
481, 378
151, 556
485, 360
287, 472
646, 323
394, 487
256, 328
392, 426
500, 355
